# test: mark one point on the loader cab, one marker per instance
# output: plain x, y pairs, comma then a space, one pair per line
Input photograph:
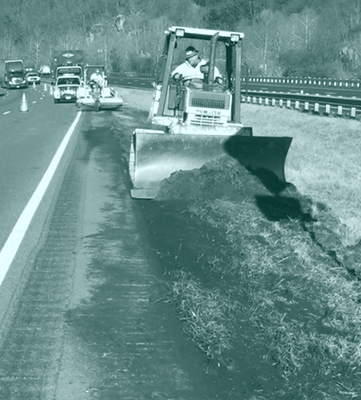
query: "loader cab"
176, 99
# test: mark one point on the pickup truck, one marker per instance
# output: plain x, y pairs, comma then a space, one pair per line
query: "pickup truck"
65, 88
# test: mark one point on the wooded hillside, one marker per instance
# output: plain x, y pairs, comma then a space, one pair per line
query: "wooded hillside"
282, 37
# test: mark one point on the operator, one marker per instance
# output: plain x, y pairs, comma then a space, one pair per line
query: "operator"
191, 68
97, 78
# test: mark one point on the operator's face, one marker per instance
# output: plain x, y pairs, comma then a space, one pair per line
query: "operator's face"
193, 60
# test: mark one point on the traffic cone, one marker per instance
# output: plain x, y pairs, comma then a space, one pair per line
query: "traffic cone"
24, 104
51, 90
34, 85
45, 88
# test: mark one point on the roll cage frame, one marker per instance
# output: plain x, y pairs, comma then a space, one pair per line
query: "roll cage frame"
232, 41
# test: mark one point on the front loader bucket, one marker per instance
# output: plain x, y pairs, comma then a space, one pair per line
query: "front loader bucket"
155, 155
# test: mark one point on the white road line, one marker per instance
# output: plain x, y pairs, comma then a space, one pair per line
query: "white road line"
6, 112
13, 242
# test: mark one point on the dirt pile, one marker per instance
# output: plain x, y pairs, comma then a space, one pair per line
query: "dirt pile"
226, 179
221, 178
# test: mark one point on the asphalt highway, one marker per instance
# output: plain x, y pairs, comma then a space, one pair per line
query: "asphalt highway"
81, 315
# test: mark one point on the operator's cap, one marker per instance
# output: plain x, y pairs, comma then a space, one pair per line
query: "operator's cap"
190, 52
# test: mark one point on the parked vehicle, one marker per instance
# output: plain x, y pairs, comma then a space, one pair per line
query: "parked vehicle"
66, 58
69, 70
30, 68
15, 76
32, 77
45, 71
66, 88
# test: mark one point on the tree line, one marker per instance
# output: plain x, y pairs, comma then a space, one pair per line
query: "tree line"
282, 37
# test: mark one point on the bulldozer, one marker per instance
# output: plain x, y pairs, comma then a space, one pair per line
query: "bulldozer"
92, 96
196, 121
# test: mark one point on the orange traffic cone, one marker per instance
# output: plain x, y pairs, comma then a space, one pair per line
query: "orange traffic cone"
51, 90
45, 87
34, 85
24, 104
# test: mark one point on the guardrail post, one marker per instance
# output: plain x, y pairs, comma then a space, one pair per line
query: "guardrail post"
260, 100
339, 110
307, 106
317, 107
273, 102
288, 103
266, 101
281, 103
353, 112
297, 105
328, 109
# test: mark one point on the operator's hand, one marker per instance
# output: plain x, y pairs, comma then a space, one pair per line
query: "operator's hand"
177, 76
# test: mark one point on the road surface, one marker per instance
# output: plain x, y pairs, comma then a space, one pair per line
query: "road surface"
81, 309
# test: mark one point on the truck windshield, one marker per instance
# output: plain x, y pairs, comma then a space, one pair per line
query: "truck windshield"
68, 81
74, 71
16, 73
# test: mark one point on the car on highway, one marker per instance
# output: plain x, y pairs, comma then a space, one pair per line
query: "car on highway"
32, 77
65, 88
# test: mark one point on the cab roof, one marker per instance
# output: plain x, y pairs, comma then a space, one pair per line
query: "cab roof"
205, 34
68, 76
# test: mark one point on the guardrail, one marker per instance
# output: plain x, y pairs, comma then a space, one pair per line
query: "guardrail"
352, 83
294, 81
315, 103
326, 105
133, 75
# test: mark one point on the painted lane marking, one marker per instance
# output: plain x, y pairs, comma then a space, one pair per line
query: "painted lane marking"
13, 242
6, 112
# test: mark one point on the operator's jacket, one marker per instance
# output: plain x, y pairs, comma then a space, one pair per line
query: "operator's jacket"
189, 72
97, 79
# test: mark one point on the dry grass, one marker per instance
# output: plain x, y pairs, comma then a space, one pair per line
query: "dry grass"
301, 300
303, 305
206, 313
323, 161
287, 277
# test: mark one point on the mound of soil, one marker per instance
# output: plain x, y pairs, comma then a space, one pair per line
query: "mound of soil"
222, 178
226, 179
